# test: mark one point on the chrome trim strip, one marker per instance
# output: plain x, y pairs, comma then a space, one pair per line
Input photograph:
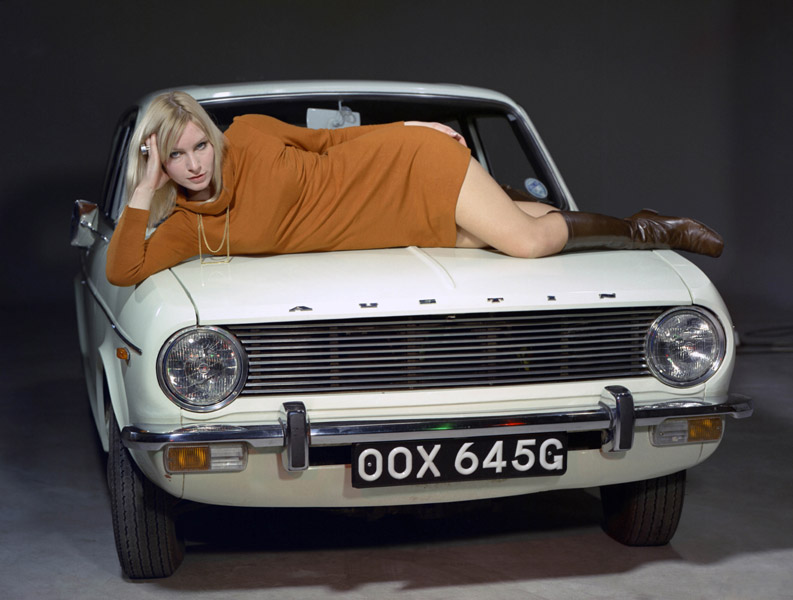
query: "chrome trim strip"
105, 309
349, 432
329, 434
155, 438
502, 102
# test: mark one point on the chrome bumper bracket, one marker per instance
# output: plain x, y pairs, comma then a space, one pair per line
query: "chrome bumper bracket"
294, 420
618, 401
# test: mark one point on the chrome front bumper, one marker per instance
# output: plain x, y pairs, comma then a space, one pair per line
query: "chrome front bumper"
615, 414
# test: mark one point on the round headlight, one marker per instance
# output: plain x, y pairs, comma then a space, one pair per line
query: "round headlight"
685, 346
202, 368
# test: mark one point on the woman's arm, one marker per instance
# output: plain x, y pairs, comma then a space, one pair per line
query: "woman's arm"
131, 257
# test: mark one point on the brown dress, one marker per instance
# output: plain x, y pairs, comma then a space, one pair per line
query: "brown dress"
290, 189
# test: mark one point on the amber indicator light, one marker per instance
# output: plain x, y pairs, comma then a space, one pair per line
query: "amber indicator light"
705, 430
180, 459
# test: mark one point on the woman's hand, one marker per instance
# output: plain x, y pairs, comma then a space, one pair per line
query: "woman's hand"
155, 176
439, 127
153, 179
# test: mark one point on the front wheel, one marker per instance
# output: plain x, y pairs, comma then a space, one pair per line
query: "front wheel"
644, 513
147, 542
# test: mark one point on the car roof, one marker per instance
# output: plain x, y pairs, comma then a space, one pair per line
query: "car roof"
324, 87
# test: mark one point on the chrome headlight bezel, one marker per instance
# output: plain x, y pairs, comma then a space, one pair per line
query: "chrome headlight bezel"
230, 391
714, 360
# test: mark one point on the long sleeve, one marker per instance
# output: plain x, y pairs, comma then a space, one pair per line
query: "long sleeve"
131, 258
313, 140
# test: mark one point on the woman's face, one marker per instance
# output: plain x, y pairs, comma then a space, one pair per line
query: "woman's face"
191, 163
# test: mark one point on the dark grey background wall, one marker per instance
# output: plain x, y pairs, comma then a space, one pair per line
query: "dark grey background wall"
675, 104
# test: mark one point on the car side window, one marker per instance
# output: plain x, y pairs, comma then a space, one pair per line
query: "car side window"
113, 195
505, 157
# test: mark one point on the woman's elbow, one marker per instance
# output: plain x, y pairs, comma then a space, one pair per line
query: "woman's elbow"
123, 279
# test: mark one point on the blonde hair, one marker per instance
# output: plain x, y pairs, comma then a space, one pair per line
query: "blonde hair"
167, 116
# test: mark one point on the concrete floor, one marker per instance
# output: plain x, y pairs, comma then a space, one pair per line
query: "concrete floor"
735, 538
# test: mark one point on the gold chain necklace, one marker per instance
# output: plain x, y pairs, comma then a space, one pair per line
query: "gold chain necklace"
213, 260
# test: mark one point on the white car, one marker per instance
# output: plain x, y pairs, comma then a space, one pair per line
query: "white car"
404, 375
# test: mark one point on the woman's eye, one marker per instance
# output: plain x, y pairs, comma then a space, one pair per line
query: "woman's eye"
174, 155
201, 146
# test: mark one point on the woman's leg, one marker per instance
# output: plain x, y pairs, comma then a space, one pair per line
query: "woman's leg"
487, 217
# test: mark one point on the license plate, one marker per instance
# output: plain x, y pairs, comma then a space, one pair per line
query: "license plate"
436, 461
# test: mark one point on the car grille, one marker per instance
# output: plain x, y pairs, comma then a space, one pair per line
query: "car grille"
445, 351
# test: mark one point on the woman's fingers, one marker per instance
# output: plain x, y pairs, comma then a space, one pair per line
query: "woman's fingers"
459, 138
151, 145
155, 176
439, 127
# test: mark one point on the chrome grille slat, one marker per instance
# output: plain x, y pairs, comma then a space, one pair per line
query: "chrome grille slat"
347, 386
371, 337
328, 348
424, 374
397, 369
448, 351
489, 376
616, 315
374, 336
545, 355
548, 347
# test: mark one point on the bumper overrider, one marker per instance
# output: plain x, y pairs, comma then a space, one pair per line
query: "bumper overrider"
616, 415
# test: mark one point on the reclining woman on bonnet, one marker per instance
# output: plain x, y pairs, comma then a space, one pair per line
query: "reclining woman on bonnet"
267, 187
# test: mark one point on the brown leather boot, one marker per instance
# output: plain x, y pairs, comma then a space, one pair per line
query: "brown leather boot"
646, 230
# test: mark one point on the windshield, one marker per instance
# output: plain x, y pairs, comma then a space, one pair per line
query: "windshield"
498, 138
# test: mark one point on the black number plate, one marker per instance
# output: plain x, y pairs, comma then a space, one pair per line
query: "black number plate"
436, 461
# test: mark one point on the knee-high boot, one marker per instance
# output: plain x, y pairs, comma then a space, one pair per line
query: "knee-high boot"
642, 231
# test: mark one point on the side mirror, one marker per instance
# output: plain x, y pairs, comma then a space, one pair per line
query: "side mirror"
85, 215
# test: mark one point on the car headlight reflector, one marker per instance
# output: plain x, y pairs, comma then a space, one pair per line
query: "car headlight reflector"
202, 368
685, 346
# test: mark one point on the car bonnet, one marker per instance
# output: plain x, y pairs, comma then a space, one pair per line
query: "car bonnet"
402, 281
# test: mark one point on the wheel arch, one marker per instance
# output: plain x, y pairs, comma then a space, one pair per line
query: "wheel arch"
110, 392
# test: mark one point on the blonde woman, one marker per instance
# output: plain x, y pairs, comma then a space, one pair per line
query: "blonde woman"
266, 187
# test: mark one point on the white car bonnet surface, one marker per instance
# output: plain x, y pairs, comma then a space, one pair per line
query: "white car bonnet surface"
436, 280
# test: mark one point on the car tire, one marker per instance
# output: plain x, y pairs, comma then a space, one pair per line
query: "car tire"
644, 513
144, 526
